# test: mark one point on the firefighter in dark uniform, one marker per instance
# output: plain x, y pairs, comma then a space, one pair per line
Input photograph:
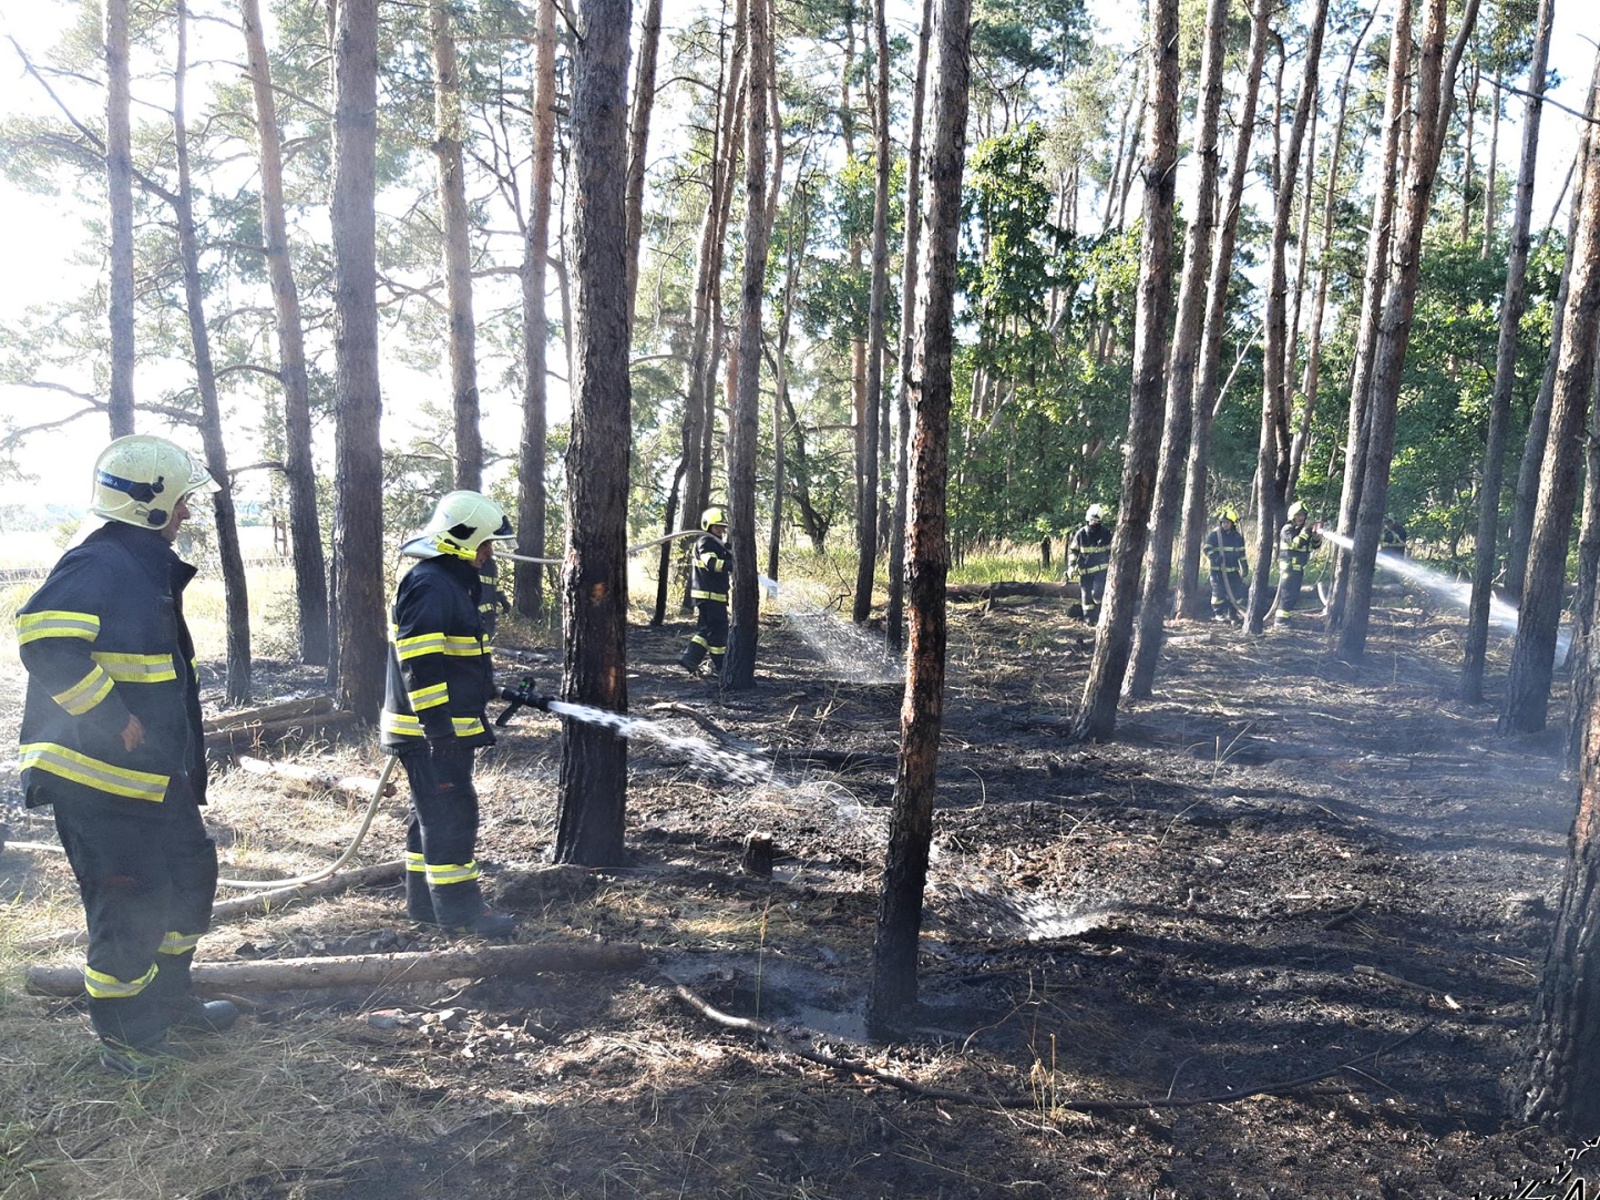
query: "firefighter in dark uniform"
1089, 558
1393, 539
111, 737
708, 588
1296, 541
440, 682
1226, 564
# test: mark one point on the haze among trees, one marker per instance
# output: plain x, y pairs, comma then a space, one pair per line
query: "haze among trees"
616, 263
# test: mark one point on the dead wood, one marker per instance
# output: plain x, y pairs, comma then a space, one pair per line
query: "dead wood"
353, 785
757, 859
270, 733
781, 1042
306, 707
844, 760
375, 970
1000, 590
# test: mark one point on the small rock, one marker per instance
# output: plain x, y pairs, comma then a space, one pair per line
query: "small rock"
387, 1018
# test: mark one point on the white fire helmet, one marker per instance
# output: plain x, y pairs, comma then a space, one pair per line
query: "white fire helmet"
1095, 513
461, 523
139, 480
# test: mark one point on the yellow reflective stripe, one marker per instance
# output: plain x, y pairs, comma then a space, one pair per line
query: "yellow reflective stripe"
108, 987
419, 644
444, 873
405, 725
464, 647
697, 595
136, 668
92, 772
86, 693
56, 622
429, 697
179, 943
414, 861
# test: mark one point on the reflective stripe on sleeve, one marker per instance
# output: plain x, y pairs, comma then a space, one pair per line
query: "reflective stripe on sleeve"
137, 668
92, 772
86, 693
56, 622
429, 697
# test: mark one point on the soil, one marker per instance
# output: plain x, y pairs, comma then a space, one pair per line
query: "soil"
1285, 875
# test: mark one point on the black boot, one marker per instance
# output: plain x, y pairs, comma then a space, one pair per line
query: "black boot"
461, 910
419, 900
173, 993
133, 1033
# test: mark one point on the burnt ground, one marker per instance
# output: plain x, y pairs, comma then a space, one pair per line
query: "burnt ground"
1284, 871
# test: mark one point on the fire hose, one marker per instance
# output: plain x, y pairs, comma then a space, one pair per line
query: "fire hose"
639, 549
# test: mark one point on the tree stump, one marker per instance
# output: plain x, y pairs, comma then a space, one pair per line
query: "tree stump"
757, 858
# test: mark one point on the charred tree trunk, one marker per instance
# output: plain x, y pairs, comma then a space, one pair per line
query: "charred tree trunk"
594, 762
1175, 436
359, 620
744, 604
1435, 97
1533, 653
1272, 455
1191, 598
1113, 643
893, 993
455, 221
119, 212
235, 591
644, 103
531, 452
1378, 237
305, 526
1505, 369
894, 618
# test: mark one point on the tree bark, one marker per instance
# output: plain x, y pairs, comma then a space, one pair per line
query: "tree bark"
531, 500
359, 619
236, 596
739, 666
594, 763
305, 526
1533, 652
1179, 424
1191, 597
1512, 306
455, 221
119, 210
1378, 237
894, 617
644, 102
1272, 453
1581, 648
1113, 643
893, 992
1434, 98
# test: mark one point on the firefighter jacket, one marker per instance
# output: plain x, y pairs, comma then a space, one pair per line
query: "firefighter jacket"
711, 562
1295, 544
104, 639
1393, 538
440, 679
1225, 552
1089, 552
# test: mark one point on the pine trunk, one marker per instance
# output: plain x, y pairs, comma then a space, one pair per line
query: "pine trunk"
644, 102
592, 793
305, 526
359, 619
119, 211
893, 993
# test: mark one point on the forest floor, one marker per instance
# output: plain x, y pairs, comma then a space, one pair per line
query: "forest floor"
1284, 871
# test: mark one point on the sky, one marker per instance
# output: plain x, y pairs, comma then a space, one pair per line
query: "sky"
39, 237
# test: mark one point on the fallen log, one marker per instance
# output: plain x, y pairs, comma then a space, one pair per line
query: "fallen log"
382, 873
1001, 589
375, 970
353, 785
270, 733
309, 706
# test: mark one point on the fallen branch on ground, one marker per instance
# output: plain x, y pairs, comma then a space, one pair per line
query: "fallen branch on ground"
375, 970
999, 590
785, 1043
354, 785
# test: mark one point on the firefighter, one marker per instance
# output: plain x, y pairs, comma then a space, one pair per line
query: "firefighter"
1089, 558
440, 681
1296, 541
708, 588
1226, 565
111, 737
1393, 539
